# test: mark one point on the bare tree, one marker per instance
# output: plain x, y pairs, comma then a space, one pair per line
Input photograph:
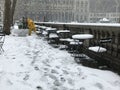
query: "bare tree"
7, 9
13, 10
8, 15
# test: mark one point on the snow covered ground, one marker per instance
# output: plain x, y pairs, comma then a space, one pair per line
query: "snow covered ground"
30, 63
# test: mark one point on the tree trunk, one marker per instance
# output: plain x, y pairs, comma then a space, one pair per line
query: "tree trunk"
7, 15
13, 10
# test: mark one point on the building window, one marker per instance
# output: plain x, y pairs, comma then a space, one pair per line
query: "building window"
0, 14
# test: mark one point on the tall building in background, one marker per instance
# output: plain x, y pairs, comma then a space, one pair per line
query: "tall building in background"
54, 10
68, 10
1, 10
108, 9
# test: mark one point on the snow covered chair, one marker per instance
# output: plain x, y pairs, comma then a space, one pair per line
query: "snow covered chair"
53, 38
64, 37
2, 39
50, 30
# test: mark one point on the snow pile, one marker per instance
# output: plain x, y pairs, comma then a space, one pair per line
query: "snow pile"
30, 63
19, 32
15, 26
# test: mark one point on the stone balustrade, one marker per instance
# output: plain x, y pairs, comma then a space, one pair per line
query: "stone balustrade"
100, 31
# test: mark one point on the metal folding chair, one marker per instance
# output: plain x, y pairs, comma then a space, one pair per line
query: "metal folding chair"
2, 39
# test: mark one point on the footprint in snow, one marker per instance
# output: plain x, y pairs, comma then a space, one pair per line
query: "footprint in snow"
57, 83
117, 83
99, 85
36, 68
53, 77
9, 82
21, 65
62, 79
46, 69
65, 72
58, 67
54, 71
13, 58
70, 81
55, 88
26, 77
39, 88
82, 88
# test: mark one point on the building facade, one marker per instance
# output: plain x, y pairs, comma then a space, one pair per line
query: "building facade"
108, 9
112, 17
68, 10
54, 10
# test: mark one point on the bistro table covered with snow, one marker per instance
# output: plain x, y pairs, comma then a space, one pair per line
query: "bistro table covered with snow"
63, 31
82, 36
79, 48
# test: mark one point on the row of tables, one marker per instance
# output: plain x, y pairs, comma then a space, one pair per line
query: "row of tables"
75, 44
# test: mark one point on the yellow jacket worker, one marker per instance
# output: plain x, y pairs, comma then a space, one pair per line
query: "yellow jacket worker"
31, 26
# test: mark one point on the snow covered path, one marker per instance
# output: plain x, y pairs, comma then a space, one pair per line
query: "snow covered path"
29, 63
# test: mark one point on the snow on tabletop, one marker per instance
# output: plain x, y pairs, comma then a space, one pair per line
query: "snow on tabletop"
63, 31
42, 27
66, 39
53, 35
30, 63
44, 32
97, 49
75, 43
82, 36
51, 29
